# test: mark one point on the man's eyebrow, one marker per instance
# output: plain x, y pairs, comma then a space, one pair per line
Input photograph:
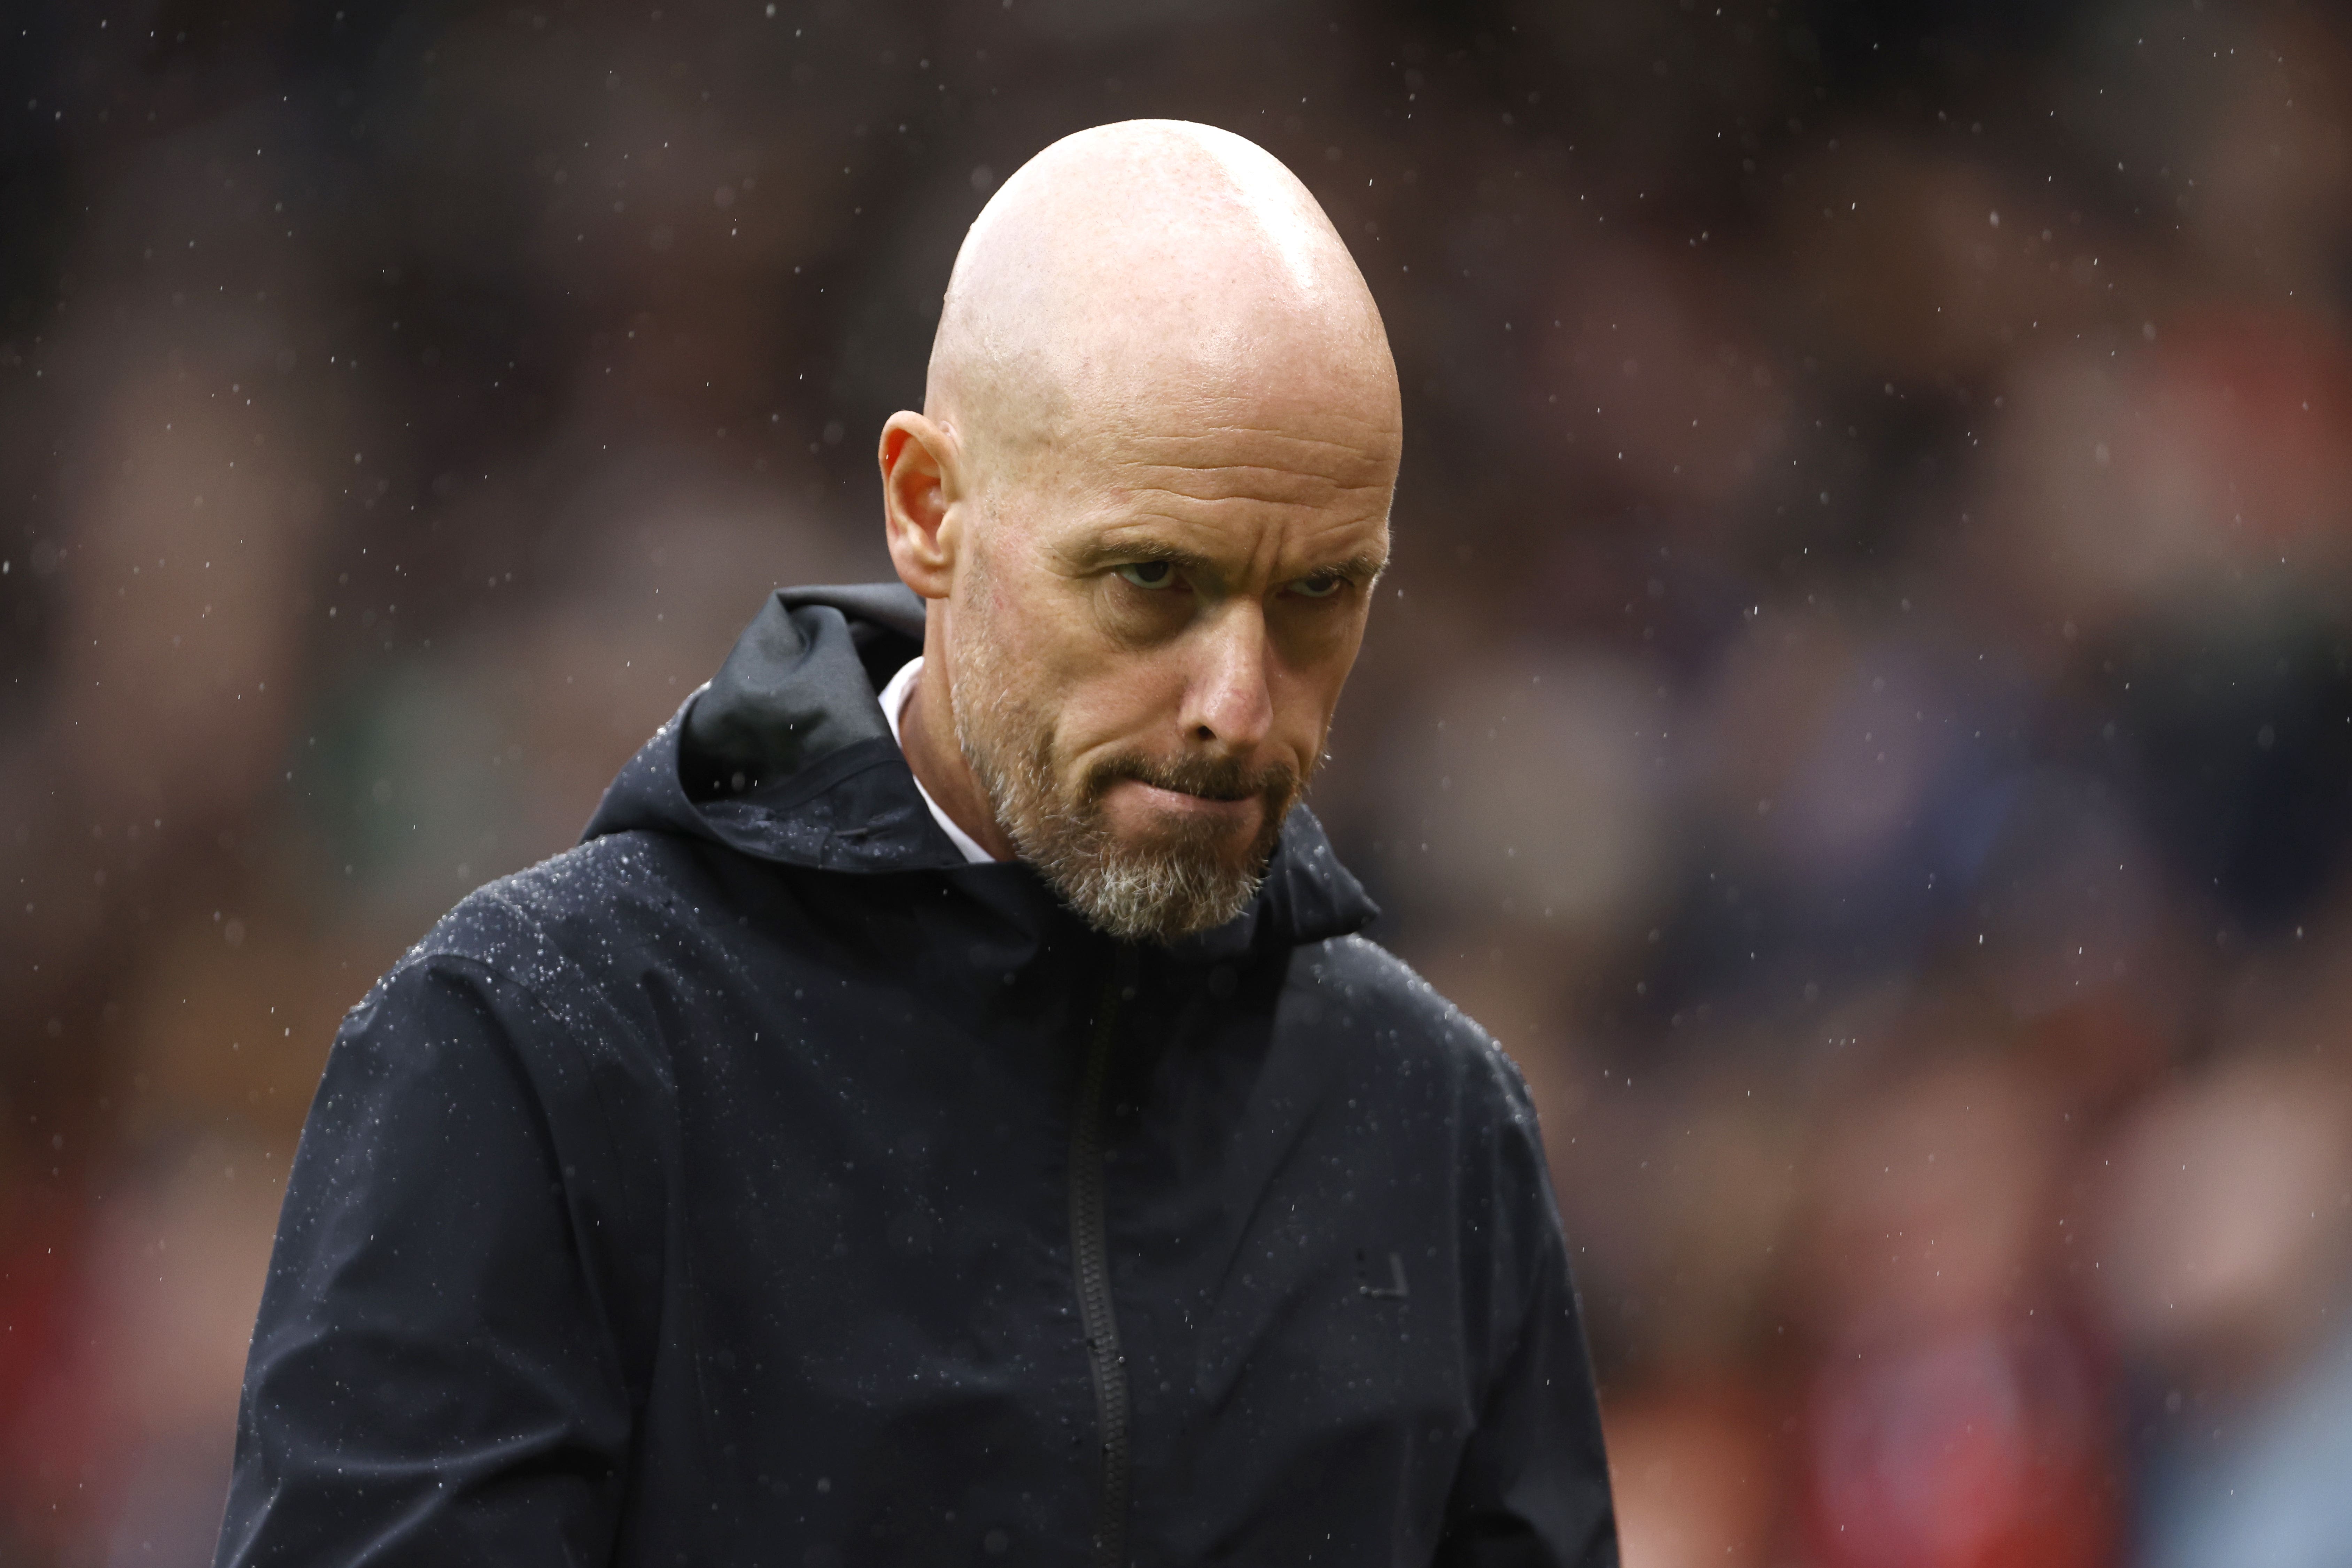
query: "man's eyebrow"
1363, 568
1131, 548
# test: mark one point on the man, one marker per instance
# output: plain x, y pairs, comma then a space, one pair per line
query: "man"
941, 1114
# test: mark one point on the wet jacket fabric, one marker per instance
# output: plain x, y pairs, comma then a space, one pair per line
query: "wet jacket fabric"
757, 1182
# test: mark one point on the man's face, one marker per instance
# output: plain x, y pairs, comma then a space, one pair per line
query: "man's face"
1150, 629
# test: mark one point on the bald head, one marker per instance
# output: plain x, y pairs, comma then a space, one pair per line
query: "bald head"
1145, 263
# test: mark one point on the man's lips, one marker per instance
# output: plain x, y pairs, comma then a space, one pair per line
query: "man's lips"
1166, 803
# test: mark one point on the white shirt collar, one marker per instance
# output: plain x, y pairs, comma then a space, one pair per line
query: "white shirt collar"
893, 699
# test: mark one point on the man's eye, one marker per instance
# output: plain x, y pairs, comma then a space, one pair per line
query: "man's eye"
1149, 574
1318, 588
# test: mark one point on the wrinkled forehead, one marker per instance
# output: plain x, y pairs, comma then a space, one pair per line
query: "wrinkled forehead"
1215, 379
1245, 415
1218, 361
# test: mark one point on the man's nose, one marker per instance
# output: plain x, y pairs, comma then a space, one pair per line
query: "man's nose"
1228, 703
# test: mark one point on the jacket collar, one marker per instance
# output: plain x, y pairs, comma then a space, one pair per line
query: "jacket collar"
785, 756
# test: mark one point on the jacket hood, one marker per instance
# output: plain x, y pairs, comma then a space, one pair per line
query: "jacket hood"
785, 756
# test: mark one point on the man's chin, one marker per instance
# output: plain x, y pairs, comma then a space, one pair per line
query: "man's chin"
1139, 860
1158, 898
1163, 886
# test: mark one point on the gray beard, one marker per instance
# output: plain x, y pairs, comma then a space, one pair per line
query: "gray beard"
1161, 892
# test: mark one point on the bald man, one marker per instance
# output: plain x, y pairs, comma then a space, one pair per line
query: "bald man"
942, 1112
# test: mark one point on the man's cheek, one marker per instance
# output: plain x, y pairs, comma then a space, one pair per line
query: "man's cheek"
1112, 702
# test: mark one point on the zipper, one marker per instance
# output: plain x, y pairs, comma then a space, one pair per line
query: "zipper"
1090, 1264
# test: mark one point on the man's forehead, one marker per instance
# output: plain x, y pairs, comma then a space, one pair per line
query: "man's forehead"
1312, 427
1202, 360
1229, 475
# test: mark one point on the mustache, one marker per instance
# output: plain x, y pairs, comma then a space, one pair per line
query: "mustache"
1208, 778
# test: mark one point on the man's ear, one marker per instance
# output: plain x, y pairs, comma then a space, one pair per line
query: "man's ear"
921, 482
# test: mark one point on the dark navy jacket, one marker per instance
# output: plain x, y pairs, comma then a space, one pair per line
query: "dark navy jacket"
759, 1183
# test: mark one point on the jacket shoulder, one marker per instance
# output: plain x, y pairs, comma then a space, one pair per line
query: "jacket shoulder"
1361, 974
1382, 998
565, 929
526, 920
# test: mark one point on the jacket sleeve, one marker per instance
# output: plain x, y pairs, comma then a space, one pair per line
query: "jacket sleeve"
1532, 1491
434, 1378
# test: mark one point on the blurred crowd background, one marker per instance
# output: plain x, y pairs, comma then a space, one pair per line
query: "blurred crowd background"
1863, 708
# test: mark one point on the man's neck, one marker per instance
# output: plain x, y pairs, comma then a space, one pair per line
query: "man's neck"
927, 734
